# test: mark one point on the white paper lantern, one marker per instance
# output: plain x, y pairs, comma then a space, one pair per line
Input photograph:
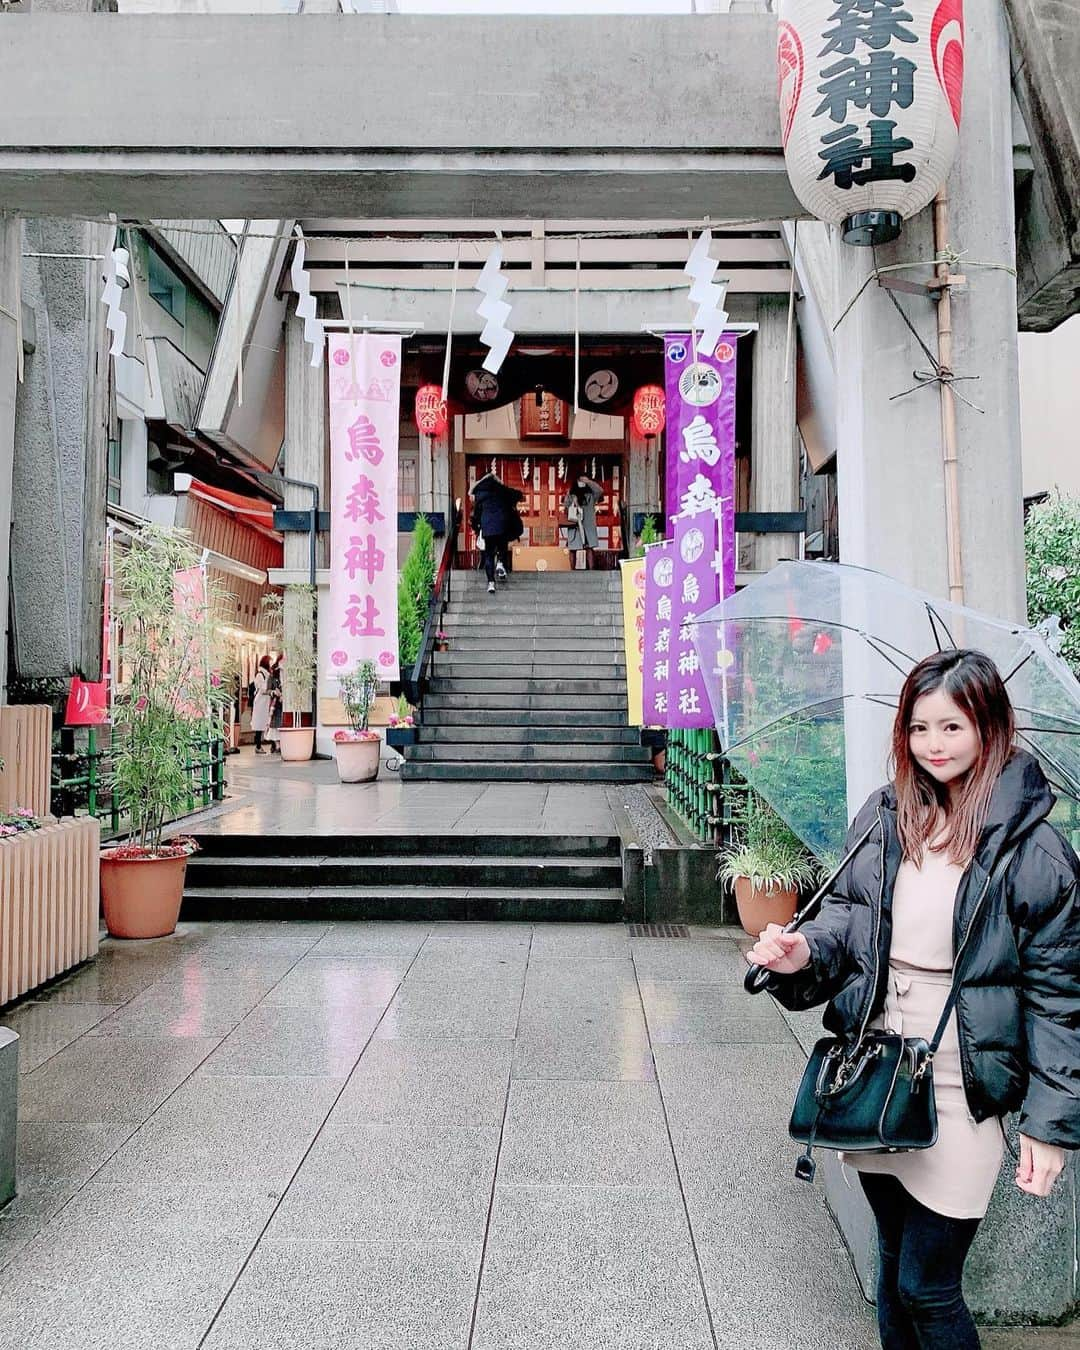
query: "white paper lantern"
870, 94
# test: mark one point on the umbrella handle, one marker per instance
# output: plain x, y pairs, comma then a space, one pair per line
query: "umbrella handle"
755, 979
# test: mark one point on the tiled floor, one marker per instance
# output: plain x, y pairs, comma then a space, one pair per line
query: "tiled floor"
419, 1137
270, 797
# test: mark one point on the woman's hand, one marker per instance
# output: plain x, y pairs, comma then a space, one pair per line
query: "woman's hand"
1039, 1166
783, 953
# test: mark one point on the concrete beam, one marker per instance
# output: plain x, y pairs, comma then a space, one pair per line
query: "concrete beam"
1045, 55
252, 115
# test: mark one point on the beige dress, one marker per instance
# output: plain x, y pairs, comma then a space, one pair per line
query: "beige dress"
957, 1175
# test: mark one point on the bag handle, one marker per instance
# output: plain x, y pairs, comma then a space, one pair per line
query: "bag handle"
757, 977
996, 879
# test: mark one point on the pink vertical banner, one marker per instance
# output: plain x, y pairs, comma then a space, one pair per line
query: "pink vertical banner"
365, 400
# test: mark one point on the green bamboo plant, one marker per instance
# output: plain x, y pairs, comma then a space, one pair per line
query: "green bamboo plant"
174, 687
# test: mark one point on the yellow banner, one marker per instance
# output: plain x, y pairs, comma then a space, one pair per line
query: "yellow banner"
633, 599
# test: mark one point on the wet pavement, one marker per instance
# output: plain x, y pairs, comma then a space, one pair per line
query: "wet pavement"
430, 1136
267, 796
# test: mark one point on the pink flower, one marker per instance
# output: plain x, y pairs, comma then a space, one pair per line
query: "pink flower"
24, 811
8, 829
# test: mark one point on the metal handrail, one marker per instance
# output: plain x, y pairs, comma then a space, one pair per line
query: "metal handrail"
415, 682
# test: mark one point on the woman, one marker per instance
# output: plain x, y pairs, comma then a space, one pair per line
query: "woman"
273, 730
260, 706
495, 516
580, 507
883, 946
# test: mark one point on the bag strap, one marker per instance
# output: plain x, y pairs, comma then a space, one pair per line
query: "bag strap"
995, 880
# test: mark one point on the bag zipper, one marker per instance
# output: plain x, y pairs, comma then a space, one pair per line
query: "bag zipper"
956, 959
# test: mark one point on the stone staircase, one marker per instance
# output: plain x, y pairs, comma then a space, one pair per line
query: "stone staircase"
538, 878
533, 688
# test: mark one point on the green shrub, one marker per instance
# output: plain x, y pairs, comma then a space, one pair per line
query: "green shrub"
415, 584
1052, 546
649, 535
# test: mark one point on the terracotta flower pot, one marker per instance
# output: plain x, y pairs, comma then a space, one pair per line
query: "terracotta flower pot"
141, 896
358, 761
296, 743
758, 908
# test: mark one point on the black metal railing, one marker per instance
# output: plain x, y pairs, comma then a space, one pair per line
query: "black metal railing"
82, 776
414, 683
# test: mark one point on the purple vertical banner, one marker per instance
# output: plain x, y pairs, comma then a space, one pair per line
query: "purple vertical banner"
681, 582
659, 615
700, 437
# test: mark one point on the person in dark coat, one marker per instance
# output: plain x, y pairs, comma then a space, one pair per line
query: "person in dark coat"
881, 952
495, 516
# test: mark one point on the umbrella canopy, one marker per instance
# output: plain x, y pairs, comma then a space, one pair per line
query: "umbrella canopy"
804, 668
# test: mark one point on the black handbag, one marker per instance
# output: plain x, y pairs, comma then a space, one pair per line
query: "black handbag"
874, 1094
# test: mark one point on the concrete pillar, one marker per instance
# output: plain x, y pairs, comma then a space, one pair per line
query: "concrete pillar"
774, 468
889, 458
10, 263
305, 458
61, 440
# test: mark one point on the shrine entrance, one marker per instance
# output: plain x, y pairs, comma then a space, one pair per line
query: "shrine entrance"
545, 479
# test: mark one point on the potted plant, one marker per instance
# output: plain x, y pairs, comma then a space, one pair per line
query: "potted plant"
401, 730
296, 640
765, 865
357, 750
167, 710
442, 641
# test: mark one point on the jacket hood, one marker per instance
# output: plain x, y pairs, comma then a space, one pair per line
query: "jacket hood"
488, 486
1020, 800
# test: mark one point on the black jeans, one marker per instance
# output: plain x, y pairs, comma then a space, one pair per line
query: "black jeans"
920, 1305
495, 550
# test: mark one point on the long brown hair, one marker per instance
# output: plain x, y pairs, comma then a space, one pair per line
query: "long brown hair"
973, 683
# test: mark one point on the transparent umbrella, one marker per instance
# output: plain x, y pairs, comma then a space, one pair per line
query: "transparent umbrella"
804, 668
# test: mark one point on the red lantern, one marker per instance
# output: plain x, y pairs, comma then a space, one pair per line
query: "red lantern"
431, 416
649, 411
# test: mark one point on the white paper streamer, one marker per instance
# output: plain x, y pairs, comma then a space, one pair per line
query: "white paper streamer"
115, 319
494, 310
707, 295
314, 332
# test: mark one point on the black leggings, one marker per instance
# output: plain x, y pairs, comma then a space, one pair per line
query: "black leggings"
496, 550
920, 1305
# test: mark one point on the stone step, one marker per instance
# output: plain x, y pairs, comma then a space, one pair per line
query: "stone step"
514, 668
562, 904
583, 735
310, 846
511, 771
463, 871
507, 602
498, 635
474, 645
457, 715
554, 752
526, 687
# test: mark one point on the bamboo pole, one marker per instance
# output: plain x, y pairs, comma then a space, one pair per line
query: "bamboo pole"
948, 400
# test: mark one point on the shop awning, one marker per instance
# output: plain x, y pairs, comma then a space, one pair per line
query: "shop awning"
251, 510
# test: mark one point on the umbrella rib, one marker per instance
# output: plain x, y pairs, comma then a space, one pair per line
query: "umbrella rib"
802, 618
872, 644
797, 712
1069, 784
935, 619
1019, 666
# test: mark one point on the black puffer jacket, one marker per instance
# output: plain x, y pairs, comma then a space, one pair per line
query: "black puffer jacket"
1018, 1011
494, 512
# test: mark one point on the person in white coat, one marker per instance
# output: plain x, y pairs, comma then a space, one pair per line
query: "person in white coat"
260, 708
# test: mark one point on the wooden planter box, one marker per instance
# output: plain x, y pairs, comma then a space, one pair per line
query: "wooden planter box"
48, 903
26, 749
